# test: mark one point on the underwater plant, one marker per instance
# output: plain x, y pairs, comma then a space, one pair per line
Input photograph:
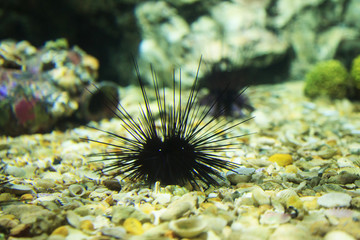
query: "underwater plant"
184, 147
328, 78
355, 72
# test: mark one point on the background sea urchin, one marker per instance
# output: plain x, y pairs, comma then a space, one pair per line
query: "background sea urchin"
184, 146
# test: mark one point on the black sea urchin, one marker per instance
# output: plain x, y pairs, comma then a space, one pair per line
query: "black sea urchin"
224, 85
183, 147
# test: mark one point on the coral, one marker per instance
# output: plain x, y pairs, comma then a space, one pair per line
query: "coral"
328, 78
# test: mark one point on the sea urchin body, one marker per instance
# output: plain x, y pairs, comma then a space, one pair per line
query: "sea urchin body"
183, 147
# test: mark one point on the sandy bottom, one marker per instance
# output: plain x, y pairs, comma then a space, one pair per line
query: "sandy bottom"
300, 180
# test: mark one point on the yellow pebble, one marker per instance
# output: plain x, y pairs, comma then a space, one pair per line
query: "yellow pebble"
291, 169
281, 159
133, 226
62, 231
27, 196
87, 225
294, 201
311, 205
109, 200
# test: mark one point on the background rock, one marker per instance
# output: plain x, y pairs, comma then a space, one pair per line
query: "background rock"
276, 36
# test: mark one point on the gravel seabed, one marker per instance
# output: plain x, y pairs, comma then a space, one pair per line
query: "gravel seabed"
299, 180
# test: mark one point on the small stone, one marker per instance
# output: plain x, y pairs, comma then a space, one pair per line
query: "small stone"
176, 211
27, 196
327, 152
290, 232
15, 171
355, 202
19, 229
5, 197
45, 183
162, 198
86, 225
39, 219
335, 235
240, 175
20, 189
281, 159
291, 169
116, 232
62, 231
294, 201
334, 199
147, 208
55, 176
310, 205
120, 213
133, 226
112, 184
260, 197
216, 224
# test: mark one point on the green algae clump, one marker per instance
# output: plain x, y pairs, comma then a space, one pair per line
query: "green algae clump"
355, 72
328, 78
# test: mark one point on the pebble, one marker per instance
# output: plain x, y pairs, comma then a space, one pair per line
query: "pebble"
281, 159
133, 226
290, 232
334, 199
175, 211
327, 152
45, 183
73, 219
15, 171
116, 232
55, 176
5, 197
27, 197
162, 198
112, 184
217, 224
121, 213
19, 189
337, 235
260, 197
20, 229
62, 231
86, 225
240, 175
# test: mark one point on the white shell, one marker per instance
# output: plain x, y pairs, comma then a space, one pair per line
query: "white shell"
189, 227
